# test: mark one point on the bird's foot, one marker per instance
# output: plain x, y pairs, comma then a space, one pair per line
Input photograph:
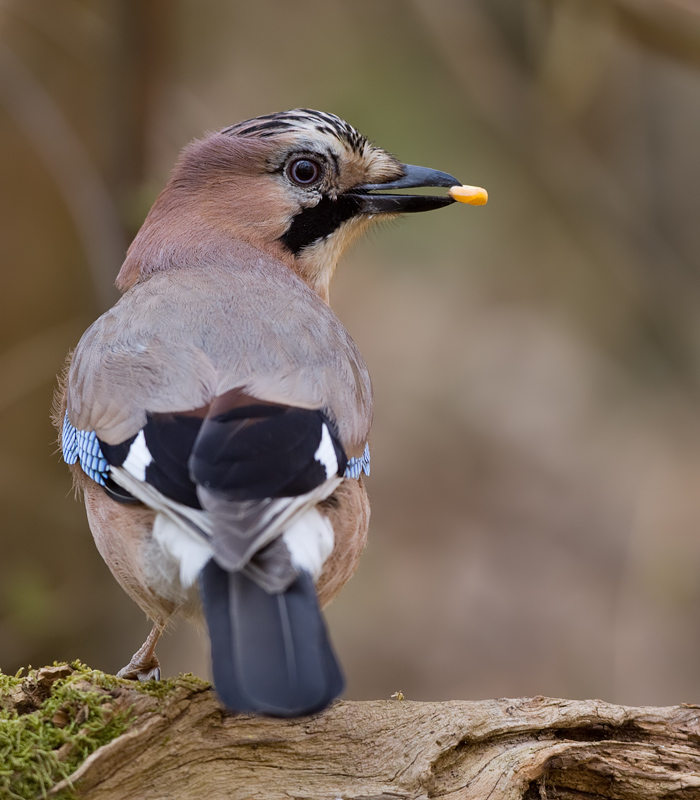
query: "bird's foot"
144, 664
137, 670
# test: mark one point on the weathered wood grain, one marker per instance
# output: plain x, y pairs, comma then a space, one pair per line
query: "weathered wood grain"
184, 746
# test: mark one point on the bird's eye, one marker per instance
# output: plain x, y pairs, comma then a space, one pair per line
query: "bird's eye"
304, 171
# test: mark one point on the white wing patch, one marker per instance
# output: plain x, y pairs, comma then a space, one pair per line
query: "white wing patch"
139, 458
188, 549
325, 454
310, 541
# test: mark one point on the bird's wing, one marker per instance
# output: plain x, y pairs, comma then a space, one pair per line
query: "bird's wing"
239, 474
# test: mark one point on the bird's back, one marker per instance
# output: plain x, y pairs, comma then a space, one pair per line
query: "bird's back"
222, 323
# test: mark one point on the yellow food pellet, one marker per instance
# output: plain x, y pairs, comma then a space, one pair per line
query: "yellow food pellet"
473, 195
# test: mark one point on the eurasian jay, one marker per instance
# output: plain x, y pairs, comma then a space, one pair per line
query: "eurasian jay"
216, 418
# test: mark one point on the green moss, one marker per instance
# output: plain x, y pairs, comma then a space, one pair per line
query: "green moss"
163, 688
48, 743
10, 682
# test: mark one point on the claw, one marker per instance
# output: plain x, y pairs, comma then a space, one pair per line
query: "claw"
151, 675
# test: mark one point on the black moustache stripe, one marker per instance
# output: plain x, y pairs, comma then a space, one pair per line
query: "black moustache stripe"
319, 221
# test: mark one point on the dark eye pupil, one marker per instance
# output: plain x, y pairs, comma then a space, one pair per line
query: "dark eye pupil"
304, 171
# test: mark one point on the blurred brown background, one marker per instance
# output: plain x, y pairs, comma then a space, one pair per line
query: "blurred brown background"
536, 446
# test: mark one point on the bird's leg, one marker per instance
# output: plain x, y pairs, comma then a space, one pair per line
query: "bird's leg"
144, 664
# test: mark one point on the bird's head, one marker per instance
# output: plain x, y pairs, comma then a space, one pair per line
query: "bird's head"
300, 185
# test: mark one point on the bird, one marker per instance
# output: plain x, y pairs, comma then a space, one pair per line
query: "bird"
216, 419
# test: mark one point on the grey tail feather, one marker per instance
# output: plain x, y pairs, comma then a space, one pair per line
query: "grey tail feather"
271, 653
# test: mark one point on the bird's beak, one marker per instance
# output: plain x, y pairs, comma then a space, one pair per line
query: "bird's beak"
404, 203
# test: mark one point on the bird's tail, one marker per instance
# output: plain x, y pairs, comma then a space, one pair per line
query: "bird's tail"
270, 652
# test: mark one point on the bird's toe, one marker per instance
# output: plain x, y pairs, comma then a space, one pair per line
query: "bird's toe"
135, 671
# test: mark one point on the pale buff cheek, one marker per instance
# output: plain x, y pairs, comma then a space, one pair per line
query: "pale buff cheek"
316, 264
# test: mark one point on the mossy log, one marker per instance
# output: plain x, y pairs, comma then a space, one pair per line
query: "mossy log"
173, 741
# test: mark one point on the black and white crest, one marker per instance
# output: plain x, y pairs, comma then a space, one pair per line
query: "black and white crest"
300, 120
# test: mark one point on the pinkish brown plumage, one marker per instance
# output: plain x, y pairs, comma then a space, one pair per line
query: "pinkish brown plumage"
217, 416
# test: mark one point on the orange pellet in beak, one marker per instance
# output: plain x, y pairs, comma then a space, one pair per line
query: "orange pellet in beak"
473, 195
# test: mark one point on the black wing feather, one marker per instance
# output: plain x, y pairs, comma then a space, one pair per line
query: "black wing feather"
252, 452
170, 439
257, 452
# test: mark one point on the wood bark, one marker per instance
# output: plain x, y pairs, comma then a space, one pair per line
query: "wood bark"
185, 745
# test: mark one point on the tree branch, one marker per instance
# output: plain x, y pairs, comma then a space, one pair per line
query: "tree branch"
179, 744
